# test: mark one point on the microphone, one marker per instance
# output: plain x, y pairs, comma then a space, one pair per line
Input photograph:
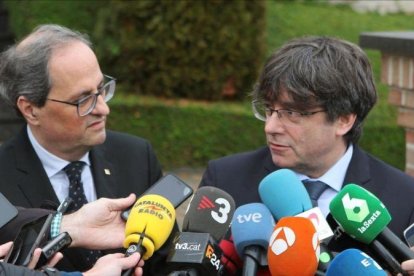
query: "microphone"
229, 258
365, 218
149, 224
293, 247
210, 208
341, 241
285, 195
194, 254
356, 263
194, 250
252, 226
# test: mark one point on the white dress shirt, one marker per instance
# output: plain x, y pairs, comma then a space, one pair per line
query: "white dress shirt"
334, 178
54, 165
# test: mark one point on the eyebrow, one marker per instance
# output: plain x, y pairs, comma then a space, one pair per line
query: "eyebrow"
89, 92
285, 105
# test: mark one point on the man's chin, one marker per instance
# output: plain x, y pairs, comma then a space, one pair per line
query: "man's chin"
282, 162
98, 139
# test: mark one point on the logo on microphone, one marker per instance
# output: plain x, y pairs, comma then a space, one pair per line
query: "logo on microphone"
281, 239
355, 209
188, 246
211, 255
221, 216
205, 203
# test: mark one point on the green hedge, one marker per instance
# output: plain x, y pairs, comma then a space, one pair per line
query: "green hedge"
191, 133
204, 49
188, 134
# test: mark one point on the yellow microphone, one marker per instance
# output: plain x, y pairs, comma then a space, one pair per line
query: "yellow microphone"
149, 224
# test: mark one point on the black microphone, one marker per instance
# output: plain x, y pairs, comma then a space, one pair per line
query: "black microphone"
194, 254
206, 221
211, 209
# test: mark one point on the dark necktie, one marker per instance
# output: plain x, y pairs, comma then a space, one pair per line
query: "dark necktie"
315, 189
77, 194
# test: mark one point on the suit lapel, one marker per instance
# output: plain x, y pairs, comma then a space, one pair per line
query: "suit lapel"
103, 173
269, 166
31, 176
358, 170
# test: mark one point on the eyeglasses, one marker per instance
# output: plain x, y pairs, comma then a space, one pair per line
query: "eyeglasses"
262, 111
86, 104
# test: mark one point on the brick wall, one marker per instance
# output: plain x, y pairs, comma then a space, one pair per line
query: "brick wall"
397, 72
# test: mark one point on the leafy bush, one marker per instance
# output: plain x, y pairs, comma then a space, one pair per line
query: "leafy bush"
190, 49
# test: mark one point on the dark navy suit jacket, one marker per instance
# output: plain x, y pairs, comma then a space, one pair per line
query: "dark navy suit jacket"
240, 175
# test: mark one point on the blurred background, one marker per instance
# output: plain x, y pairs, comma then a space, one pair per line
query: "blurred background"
185, 68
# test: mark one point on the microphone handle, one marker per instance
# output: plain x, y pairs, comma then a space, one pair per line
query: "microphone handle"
131, 250
251, 257
395, 245
389, 259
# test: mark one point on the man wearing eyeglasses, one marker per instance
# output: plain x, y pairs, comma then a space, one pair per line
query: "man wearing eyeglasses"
53, 80
313, 95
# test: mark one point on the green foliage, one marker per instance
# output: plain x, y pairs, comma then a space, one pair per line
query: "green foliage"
186, 56
189, 49
188, 134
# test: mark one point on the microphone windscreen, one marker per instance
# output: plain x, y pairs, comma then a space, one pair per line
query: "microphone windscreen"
210, 210
354, 262
293, 247
230, 258
284, 194
360, 213
151, 220
252, 224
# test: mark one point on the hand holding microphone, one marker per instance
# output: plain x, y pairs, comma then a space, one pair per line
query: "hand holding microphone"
149, 224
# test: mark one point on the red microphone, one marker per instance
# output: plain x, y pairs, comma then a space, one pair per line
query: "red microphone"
230, 259
293, 247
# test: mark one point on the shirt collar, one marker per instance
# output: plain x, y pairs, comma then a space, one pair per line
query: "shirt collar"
51, 163
335, 176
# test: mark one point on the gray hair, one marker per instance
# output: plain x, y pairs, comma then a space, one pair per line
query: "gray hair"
322, 72
24, 66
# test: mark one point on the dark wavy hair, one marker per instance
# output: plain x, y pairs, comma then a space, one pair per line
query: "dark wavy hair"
324, 72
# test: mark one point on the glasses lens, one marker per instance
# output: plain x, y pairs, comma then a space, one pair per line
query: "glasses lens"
86, 104
259, 110
109, 90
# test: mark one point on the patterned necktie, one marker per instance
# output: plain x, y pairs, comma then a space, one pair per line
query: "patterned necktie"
77, 194
315, 189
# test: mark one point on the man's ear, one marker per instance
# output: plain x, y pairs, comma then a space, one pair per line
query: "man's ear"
345, 123
28, 110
